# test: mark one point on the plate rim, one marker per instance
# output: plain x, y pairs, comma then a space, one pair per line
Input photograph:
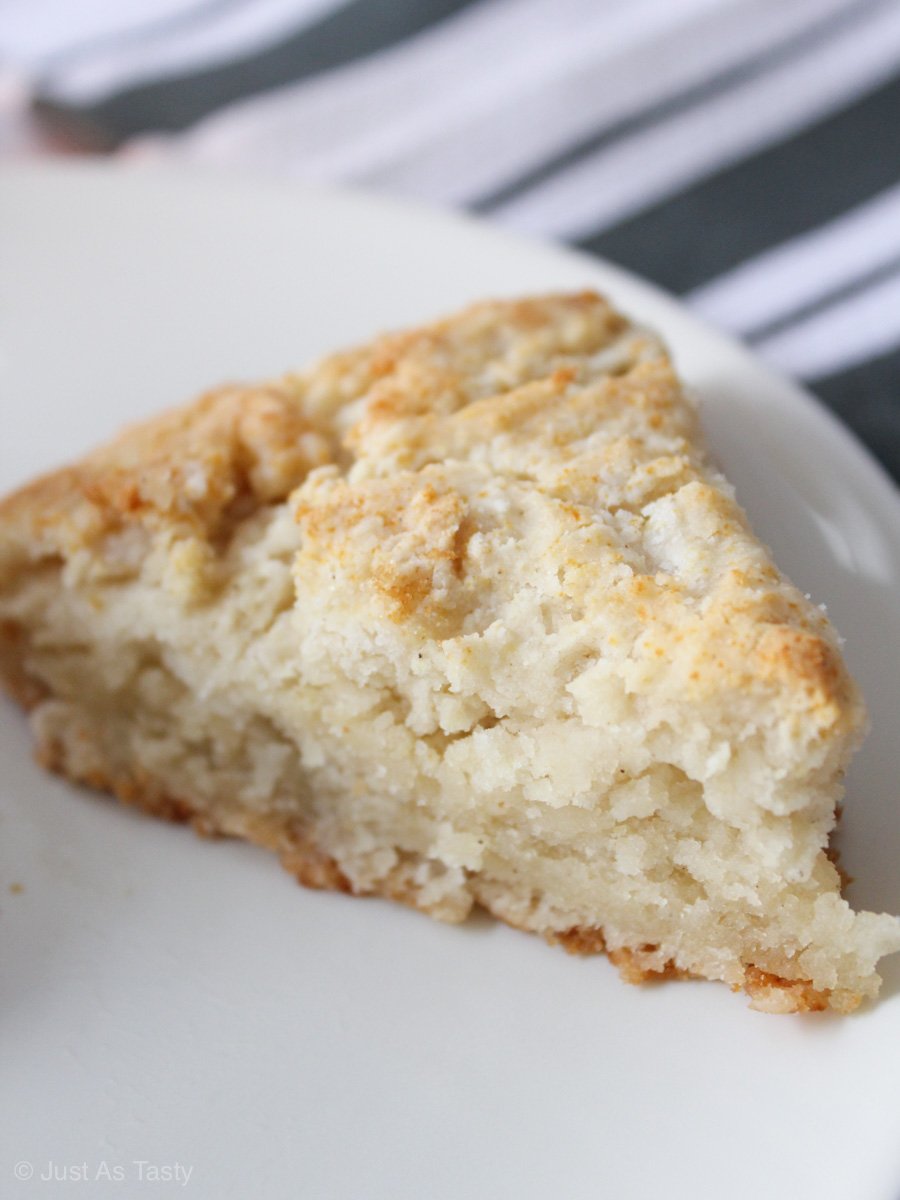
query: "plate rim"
178, 173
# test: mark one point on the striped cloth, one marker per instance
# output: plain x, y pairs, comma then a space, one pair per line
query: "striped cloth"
745, 154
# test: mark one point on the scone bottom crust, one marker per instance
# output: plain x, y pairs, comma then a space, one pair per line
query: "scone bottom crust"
465, 616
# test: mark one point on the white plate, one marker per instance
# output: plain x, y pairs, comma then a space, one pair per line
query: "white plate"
168, 1000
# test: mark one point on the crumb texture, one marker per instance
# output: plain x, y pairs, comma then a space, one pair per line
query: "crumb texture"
465, 616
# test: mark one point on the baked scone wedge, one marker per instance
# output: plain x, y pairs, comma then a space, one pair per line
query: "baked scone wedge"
465, 616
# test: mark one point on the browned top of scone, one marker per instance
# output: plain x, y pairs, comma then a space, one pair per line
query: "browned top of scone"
558, 397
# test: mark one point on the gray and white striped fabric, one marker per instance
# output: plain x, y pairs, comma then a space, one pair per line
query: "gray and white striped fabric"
744, 154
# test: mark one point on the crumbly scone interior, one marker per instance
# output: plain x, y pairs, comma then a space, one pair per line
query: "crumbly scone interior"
464, 616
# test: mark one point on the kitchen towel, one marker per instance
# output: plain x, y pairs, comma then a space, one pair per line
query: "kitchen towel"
744, 154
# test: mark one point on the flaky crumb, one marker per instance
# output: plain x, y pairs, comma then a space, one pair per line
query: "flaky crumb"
464, 616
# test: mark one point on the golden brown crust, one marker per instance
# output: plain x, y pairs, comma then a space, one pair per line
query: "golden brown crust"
797, 656
580, 941
14, 678
312, 868
634, 963
631, 964
201, 467
768, 993
262, 441
772, 994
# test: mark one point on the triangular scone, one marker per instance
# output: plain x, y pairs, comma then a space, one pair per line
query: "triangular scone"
464, 616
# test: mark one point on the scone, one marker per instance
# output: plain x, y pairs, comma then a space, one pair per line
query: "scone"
465, 616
